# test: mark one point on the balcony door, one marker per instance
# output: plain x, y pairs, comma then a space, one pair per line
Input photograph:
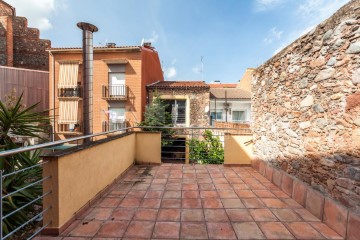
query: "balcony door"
117, 80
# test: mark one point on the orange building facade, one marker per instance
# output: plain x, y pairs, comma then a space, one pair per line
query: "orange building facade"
120, 76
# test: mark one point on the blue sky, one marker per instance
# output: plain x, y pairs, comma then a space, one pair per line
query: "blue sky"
231, 35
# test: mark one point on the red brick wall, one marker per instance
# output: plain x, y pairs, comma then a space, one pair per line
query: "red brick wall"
142, 68
151, 72
21, 46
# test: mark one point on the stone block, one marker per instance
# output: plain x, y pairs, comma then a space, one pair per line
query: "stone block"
262, 167
299, 192
335, 216
255, 164
277, 177
315, 202
287, 184
269, 172
353, 226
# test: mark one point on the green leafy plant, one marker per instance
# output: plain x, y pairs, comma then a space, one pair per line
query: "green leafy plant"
156, 117
16, 120
208, 150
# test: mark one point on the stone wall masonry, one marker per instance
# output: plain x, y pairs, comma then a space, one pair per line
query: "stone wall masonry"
306, 107
199, 100
21, 46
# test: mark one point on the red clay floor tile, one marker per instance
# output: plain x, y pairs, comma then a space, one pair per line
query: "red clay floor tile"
146, 214
215, 215
192, 215
325, 230
232, 203
86, 229
275, 230
239, 215
191, 203
190, 230
172, 215
252, 203
211, 203
262, 214
248, 230
167, 230
140, 229
303, 230
123, 213
286, 215
218, 230
113, 229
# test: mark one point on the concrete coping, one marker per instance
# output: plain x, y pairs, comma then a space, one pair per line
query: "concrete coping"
83, 146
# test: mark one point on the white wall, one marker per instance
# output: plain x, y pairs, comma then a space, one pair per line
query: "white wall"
235, 105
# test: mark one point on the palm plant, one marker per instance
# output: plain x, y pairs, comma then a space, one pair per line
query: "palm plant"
17, 120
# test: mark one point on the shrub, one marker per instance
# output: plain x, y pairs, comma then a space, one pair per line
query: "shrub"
206, 151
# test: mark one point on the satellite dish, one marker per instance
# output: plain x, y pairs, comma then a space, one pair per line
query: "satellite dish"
206, 109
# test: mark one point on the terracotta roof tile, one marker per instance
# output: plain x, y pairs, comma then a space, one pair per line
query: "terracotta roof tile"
223, 85
178, 84
231, 93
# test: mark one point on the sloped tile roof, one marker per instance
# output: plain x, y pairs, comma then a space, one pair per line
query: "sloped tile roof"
178, 85
229, 93
223, 85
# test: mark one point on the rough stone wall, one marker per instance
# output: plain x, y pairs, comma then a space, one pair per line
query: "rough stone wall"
21, 46
306, 107
199, 100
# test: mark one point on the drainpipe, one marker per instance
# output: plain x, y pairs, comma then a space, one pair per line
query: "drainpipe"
53, 95
87, 75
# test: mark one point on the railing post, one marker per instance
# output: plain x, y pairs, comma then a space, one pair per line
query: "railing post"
1, 204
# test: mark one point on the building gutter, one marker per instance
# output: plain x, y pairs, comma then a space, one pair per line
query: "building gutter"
53, 94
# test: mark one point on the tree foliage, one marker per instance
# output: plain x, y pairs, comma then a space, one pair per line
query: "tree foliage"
209, 150
156, 118
17, 120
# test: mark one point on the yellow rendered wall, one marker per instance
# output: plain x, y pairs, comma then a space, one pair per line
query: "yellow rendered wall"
237, 152
78, 177
148, 147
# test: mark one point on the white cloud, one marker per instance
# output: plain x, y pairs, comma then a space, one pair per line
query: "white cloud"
309, 14
38, 12
170, 72
264, 5
197, 69
273, 35
154, 37
319, 10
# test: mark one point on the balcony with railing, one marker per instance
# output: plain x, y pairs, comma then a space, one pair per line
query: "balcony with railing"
70, 93
115, 92
95, 191
70, 128
113, 125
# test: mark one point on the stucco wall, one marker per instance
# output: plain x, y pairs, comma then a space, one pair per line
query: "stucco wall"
306, 107
78, 177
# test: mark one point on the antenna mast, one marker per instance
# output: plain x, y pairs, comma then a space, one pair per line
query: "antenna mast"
202, 68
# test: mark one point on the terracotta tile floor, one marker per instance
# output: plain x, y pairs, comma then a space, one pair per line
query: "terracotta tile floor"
174, 201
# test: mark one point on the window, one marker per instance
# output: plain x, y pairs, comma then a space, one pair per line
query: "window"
177, 108
116, 115
238, 116
216, 115
117, 80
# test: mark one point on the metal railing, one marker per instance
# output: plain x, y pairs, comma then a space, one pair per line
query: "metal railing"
66, 128
115, 91
20, 229
194, 144
109, 126
74, 92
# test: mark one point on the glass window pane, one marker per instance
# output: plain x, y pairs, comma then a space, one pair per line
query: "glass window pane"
238, 116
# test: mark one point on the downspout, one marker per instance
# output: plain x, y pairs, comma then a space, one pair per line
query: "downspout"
53, 95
